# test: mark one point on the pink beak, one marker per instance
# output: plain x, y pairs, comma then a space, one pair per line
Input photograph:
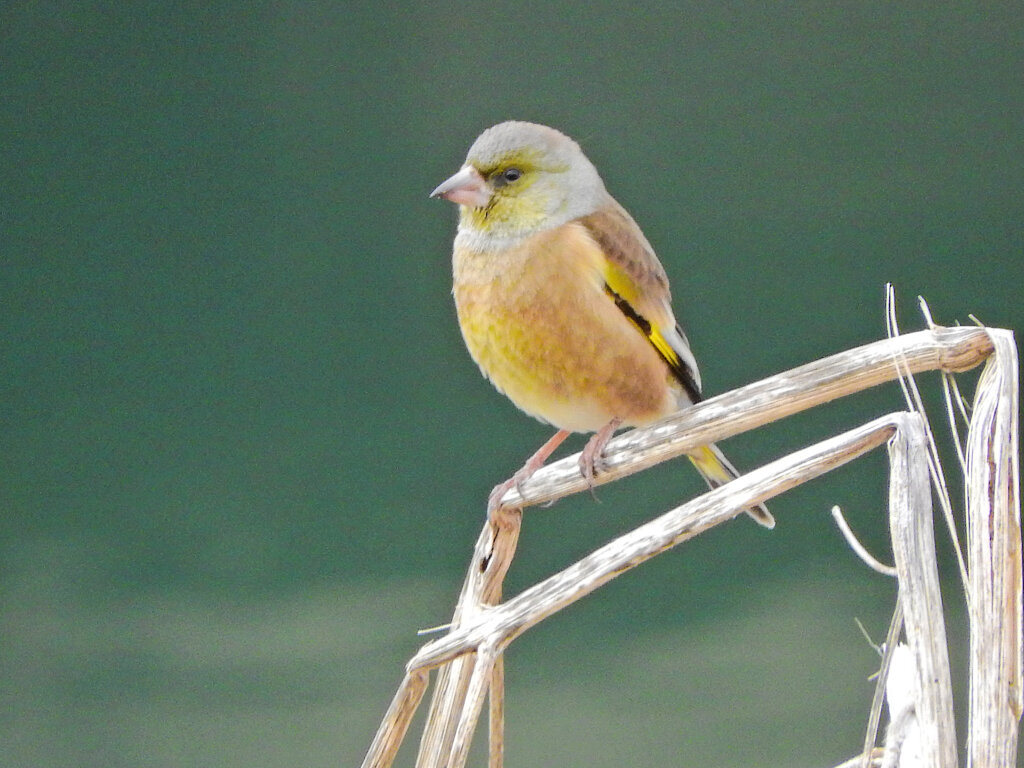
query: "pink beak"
467, 187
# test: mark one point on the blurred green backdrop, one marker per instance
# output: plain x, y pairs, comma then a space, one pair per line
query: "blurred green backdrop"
244, 455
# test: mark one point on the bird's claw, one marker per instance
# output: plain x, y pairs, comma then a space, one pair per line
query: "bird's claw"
592, 460
496, 495
499, 491
591, 466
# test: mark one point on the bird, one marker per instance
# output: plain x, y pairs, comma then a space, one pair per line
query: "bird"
562, 302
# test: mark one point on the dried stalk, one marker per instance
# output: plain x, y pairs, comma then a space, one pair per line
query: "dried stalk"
916, 405
443, 736
892, 637
740, 410
480, 631
910, 520
396, 721
510, 619
859, 549
496, 716
994, 561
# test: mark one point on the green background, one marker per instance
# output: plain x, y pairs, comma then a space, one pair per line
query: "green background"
244, 454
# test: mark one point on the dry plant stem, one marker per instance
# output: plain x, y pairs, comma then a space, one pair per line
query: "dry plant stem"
496, 716
911, 525
396, 721
994, 557
510, 619
892, 637
473, 646
859, 549
947, 349
948, 384
479, 627
486, 656
916, 405
452, 698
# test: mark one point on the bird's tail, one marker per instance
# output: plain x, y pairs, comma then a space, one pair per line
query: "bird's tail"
717, 470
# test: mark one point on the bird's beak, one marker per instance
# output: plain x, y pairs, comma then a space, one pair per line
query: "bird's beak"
467, 187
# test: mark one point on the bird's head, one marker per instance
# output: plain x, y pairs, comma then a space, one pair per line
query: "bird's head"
521, 178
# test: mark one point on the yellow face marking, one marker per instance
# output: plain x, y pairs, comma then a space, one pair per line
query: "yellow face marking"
516, 205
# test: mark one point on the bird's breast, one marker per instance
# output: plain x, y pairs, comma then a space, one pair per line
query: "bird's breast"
536, 319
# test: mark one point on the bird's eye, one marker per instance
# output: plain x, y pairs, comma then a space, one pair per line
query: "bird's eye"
507, 176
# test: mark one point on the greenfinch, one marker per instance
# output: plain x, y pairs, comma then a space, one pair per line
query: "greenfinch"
562, 302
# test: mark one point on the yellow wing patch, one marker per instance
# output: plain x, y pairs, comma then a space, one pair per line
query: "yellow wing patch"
624, 293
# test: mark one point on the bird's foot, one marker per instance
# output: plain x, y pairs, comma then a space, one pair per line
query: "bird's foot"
498, 493
592, 456
535, 462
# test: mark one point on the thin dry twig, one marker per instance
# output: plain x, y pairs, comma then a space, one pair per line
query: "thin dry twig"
870, 641
962, 405
914, 403
878, 699
949, 387
859, 549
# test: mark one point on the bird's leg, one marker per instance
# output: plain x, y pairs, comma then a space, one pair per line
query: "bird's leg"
532, 464
591, 459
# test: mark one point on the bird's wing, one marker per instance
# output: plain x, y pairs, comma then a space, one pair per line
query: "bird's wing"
636, 281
